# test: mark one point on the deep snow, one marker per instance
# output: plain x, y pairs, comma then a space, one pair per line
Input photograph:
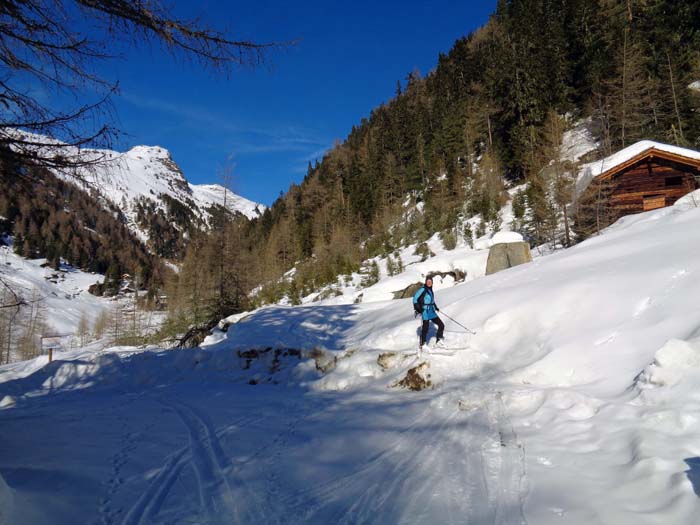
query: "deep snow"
578, 401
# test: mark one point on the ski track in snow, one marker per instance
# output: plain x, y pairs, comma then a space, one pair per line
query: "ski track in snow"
204, 455
129, 444
460, 470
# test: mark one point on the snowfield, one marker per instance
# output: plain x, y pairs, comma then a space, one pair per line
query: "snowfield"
578, 401
63, 295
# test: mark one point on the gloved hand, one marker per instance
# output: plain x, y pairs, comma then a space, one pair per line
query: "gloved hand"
415, 314
437, 309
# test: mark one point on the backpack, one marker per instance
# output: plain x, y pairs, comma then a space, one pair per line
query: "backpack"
418, 305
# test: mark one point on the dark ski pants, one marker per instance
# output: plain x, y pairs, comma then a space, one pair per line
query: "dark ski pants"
426, 325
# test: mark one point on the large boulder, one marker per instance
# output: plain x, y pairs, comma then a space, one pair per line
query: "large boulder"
508, 250
457, 275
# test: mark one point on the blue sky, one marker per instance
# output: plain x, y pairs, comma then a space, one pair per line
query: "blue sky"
275, 119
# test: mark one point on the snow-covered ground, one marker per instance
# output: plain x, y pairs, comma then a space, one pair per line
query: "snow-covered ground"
577, 401
62, 295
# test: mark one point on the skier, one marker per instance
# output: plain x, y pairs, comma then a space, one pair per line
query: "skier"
424, 304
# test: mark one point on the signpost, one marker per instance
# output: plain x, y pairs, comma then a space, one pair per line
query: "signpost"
49, 343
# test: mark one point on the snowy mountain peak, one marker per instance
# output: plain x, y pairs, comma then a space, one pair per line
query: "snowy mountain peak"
207, 195
150, 173
148, 185
149, 151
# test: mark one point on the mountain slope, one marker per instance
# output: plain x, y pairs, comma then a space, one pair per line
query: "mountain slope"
577, 401
146, 184
490, 110
148, 187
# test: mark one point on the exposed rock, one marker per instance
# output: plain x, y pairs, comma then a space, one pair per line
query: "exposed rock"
387, 360
457, 275
417, 378
276, 360
408, 291
507, 255
325, 362
279, 354
250, 355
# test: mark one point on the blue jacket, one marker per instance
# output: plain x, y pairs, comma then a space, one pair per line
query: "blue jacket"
424, 300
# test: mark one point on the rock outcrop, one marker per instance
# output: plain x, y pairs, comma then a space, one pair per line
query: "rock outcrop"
507, 252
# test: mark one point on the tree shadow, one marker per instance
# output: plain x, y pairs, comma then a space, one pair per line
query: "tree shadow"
299, 327
693, 473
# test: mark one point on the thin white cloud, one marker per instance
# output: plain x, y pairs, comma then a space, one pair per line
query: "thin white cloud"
279, 137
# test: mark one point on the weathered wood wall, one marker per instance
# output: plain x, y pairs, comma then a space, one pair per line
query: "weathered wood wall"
649, 178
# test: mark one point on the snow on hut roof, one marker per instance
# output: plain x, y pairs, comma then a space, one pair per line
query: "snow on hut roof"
596, 169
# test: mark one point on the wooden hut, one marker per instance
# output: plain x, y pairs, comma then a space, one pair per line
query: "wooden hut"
642, 177
648, 175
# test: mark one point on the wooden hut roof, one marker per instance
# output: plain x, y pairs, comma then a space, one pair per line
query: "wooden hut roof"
625, 158
608, 167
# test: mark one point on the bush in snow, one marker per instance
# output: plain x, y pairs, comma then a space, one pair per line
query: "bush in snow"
370, 275
449, 240
394, 266
468, 235
424, 252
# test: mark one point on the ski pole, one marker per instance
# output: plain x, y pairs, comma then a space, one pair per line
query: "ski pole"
458, 323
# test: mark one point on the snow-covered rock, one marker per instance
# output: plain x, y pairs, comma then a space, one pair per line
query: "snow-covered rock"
506, 238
